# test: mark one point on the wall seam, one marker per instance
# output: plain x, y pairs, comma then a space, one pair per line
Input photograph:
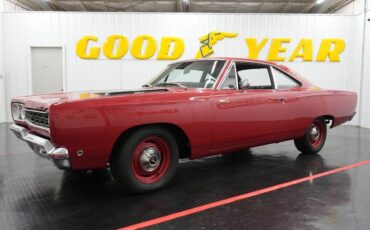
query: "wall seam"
4, 114
362, 65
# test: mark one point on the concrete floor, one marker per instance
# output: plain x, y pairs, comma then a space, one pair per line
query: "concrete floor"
36, 195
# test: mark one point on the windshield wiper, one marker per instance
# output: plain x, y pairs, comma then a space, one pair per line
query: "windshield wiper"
147, 85
171, 83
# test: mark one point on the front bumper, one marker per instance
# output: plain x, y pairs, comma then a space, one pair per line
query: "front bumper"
43, 147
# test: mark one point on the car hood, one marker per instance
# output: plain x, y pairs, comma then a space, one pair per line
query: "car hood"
42, 102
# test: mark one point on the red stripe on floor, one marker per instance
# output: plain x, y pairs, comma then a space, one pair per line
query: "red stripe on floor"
240, 197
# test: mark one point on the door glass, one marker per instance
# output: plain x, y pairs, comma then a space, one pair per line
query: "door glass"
283, 81
230, 80
253, 76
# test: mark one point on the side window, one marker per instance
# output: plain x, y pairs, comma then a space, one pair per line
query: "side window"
230, 80
283, 81
252, 76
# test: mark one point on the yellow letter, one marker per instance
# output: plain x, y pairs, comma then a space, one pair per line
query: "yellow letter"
254, 47
137, 44
121, 47
178, 48
82, 46
325, 49
305, 45
276, 48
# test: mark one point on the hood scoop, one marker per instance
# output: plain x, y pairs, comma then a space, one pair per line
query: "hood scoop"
134, 92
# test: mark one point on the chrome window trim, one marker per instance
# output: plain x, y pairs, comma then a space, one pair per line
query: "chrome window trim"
220, 81
236, 77
227, 74
272, 77
219, 74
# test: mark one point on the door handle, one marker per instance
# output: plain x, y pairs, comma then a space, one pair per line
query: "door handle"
223, 101
280, 99
200, 98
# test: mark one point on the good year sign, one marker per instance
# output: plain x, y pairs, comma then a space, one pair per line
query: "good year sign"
144, 47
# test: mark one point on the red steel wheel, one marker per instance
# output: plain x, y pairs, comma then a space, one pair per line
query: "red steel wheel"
316, 133
314, 138
150, 160
145, 160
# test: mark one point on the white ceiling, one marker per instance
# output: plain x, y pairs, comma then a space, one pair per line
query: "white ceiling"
234, 6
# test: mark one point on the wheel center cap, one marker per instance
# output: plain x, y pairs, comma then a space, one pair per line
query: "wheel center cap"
315, 133
150, 159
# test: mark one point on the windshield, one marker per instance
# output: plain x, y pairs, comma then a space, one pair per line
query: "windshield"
192, 74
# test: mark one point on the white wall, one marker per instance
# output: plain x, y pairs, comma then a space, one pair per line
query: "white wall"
2, 82
5, 6
365, 102
52, 28
355, 7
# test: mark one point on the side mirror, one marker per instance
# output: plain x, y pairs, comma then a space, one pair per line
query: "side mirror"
244, 84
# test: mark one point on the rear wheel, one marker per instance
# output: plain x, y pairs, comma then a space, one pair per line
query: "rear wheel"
314, 138
146, 161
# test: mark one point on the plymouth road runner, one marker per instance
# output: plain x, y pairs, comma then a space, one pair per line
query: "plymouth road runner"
192, 109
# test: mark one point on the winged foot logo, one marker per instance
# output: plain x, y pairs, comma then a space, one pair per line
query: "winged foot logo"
209, 40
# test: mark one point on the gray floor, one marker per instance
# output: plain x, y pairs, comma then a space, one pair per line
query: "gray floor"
36, 195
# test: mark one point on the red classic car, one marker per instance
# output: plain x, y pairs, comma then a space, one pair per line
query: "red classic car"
192, 109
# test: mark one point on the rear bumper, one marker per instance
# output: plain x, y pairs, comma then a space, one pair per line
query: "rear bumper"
43, 147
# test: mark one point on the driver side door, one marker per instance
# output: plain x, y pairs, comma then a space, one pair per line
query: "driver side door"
246, 117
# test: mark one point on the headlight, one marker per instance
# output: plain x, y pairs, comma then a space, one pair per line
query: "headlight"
18, 112
23, 113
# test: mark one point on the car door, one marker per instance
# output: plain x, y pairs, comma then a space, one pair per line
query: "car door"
248, 115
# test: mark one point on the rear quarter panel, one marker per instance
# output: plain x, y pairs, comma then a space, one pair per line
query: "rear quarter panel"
340, 104
308, 104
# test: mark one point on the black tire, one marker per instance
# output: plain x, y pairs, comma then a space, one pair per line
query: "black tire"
308, 144
126, 165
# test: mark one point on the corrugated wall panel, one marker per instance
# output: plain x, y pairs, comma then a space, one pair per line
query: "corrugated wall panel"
2, 80
365, 97
54, 28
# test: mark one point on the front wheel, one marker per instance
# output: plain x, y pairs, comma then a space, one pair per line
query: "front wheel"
314, 138
146, 161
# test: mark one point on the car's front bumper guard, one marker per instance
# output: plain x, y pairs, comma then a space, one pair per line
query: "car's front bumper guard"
43, 147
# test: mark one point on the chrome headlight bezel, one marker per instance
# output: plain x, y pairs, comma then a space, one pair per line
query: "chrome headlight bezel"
18, 112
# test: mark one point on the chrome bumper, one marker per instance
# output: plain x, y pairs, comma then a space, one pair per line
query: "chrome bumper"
43, 147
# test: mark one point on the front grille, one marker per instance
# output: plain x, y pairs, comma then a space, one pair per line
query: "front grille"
38, 118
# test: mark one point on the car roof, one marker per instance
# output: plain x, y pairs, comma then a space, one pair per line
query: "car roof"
283, 67
234, 59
